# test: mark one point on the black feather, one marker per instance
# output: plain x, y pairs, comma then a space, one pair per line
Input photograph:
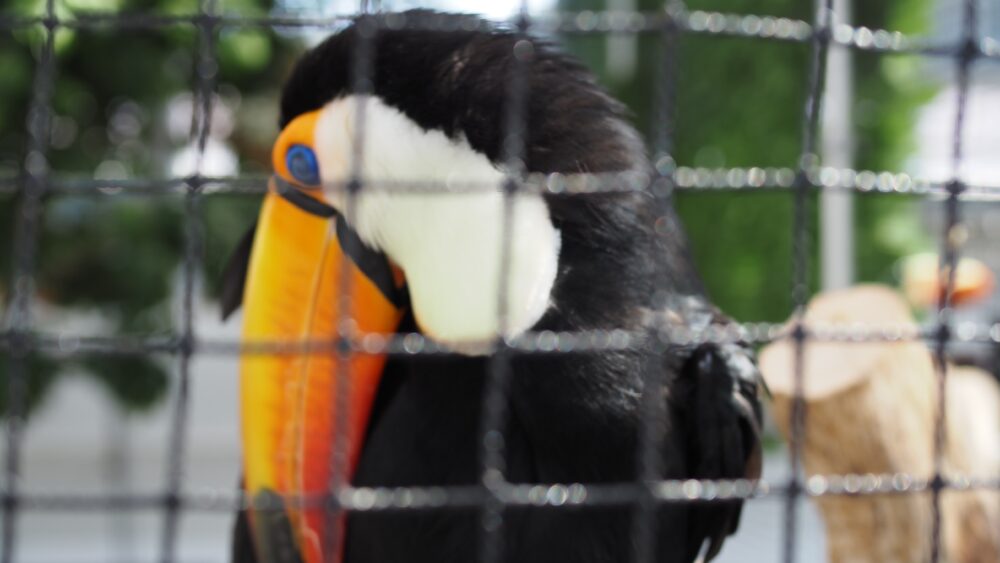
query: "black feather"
235, 274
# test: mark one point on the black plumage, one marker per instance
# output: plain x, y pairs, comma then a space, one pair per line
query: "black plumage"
623, 263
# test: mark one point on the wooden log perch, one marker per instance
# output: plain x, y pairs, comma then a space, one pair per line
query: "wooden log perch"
871, 409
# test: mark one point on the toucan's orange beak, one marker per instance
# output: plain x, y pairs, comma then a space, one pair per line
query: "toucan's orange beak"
294, 292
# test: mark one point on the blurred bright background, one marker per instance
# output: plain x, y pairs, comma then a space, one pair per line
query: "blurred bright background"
109, 262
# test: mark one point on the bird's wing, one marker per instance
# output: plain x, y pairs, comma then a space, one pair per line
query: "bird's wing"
717, 396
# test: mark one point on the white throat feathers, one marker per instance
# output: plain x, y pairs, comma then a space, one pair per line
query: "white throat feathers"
450, 244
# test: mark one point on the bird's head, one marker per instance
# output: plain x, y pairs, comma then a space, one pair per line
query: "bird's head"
397, 165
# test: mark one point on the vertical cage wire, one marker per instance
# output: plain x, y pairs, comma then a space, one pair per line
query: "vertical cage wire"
362, 76
653, 420
800, 268
495, 408
205, 68
33, 185
950, 248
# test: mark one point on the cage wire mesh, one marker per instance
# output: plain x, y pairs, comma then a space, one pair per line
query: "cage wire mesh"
495, 493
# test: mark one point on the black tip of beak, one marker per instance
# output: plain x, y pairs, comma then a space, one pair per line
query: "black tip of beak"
276, 540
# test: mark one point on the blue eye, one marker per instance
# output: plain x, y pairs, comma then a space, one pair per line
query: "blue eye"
302, 165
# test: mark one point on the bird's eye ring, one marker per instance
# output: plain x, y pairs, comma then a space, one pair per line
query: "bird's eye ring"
302, 165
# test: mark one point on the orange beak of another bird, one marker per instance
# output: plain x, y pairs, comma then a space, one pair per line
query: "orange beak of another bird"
923, 283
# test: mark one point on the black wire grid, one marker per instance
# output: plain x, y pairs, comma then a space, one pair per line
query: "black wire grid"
494, 494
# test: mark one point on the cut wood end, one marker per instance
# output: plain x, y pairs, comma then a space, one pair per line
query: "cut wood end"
831, 367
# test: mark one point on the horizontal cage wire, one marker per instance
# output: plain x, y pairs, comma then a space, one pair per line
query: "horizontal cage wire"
680, 178
373, 499
494, 494
528, 343
586, 22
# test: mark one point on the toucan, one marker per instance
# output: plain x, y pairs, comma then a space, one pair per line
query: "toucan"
366, 231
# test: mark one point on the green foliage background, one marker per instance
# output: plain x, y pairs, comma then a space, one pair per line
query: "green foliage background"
117, 256
740, 103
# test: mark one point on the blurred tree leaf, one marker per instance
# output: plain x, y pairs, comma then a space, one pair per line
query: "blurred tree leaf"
109, 253
134, 382
40, 374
